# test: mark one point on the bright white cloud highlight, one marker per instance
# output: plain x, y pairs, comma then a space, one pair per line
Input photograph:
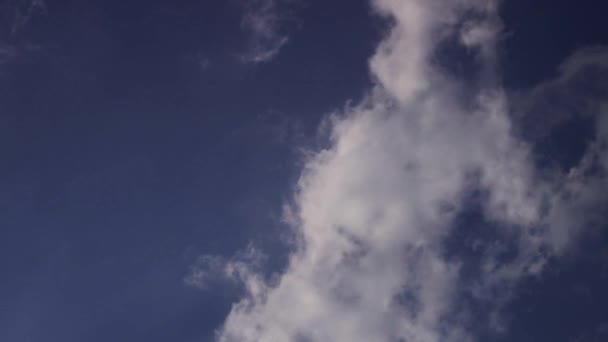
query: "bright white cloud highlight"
373, 211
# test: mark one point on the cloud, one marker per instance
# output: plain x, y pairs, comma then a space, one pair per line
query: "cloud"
19, 16
373, 211
264, 21
578, 94
23, 13
244, 268
578, 91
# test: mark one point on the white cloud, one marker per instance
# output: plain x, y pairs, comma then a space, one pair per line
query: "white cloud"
372, 211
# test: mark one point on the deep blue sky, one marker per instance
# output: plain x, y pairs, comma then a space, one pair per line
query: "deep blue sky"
132, 140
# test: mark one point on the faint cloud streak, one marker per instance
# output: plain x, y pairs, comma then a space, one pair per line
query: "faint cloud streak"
264, 23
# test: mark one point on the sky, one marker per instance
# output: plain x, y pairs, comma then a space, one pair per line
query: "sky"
303, 170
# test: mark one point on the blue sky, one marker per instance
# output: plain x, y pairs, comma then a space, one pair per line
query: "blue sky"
292, 170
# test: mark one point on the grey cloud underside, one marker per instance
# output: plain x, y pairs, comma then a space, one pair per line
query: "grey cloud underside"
375, 213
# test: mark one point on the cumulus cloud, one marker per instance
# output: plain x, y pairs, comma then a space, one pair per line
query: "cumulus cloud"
264, 21
373, 211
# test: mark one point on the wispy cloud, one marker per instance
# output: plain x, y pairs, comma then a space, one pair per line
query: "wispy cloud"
244, 268
578, 91
264, 23
374, 210
18, 16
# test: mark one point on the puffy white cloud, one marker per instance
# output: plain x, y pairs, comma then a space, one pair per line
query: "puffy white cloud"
372, 212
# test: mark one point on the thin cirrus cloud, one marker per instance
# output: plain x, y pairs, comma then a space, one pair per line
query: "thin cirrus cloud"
14, 41
264, 23
372, 213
